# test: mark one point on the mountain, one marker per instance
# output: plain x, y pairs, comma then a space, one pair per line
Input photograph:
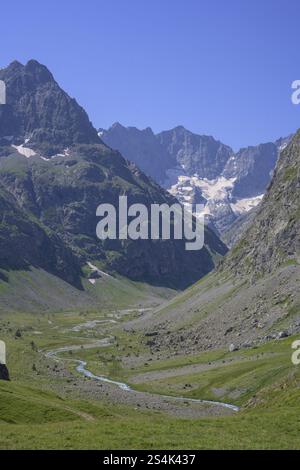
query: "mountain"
198, 169
253, 296
55, 171
157, 155
40, 112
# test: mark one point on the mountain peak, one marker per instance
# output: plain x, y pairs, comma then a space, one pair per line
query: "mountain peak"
117, 125
33, 68
15, 64
180, 128
39, 110
39, 70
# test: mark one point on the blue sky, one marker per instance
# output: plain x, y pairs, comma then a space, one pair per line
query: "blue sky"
222, 68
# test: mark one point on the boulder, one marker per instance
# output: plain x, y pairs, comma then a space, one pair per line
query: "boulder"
282, 334
4, 374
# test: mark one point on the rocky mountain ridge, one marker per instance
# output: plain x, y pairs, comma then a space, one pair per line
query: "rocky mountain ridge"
199, 169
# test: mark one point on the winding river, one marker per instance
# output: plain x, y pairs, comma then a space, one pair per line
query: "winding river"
82, 369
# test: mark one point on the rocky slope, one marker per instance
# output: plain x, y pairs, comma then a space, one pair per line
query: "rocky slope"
274, 237
239, 227
55, 171
198, 169
254, 294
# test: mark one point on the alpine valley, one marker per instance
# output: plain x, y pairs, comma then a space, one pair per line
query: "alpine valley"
142, 344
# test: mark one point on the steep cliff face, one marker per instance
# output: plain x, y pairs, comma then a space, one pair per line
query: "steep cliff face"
197, 154
252, 168
179, 148
141, 147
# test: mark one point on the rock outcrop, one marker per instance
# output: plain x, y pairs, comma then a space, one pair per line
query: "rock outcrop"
4, 374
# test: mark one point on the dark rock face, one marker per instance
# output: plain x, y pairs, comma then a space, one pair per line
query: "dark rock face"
155, 154
199, 154
253, 168
48, 205
141, 147
4, 374
25, 242
39, 110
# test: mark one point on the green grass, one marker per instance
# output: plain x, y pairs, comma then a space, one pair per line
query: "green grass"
35, 290
233, 383
24, 405
232, 377
34, 416
276, 426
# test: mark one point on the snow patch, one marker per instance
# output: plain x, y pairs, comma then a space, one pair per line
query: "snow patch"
57, 155
246, 204
217, 193
65, 153
94, 268
217, 189
25, 151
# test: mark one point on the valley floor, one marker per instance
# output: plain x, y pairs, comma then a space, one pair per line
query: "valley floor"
49, 404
